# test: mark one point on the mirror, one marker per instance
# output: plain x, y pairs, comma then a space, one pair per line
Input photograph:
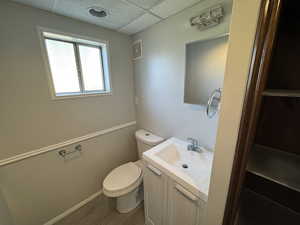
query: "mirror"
205, 68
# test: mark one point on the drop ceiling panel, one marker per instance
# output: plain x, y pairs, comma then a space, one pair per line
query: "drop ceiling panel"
128, 16
41, 4
120, 13
146, 4
171, 7
140, 24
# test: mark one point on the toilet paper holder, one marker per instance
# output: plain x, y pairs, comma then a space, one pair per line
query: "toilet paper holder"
63, 153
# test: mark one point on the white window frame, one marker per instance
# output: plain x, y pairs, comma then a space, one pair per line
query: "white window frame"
45, 33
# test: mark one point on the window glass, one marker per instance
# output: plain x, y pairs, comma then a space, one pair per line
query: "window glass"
91, 66
78, 66
63, 66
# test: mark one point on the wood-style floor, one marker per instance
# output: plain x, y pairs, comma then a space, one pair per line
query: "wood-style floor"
101, 211
136, 217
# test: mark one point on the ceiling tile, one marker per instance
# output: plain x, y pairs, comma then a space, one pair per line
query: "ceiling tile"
170, 7
128, 16
145, 4
140, 24
41, 4
120, 12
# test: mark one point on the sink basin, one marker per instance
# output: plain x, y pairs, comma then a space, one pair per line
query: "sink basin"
191, 169
170, 154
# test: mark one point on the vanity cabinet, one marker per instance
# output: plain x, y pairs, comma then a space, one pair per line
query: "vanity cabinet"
183, 207
167, 202
155, 189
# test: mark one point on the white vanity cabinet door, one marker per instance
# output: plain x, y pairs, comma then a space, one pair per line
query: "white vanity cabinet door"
155, 189
183, 207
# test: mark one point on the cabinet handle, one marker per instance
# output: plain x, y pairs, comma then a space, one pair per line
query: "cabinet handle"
186, 193
154, 170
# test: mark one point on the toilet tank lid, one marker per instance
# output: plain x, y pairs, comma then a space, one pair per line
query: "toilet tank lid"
148, 138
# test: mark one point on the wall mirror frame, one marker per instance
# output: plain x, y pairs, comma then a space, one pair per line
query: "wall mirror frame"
205, 62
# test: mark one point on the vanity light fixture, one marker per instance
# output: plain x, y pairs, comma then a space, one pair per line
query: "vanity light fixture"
209, 18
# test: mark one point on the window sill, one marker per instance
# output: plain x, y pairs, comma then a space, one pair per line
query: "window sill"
80, 95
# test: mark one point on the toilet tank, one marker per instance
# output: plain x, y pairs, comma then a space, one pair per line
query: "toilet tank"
146, 140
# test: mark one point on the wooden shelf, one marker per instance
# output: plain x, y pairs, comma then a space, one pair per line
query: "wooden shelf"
257, 209
275, 165
282, 93
273, 190
270, 178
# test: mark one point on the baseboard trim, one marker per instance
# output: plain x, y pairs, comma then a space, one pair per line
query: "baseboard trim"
73, 209
49, 148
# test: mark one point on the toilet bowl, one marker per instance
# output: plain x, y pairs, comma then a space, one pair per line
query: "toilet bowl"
125, 182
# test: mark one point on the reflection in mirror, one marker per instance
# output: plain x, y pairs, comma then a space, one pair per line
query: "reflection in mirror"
205, 68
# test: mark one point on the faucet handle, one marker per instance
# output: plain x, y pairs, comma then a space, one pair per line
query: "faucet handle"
193, 141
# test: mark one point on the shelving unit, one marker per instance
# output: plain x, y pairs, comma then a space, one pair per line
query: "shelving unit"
278, 166
284, 67
282, 93
271, 191
275, 165
256, 209
279, 193
278, 124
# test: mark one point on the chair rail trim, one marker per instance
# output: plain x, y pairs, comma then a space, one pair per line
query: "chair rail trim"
50, 148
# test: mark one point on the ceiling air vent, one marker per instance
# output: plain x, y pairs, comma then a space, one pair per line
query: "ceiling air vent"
137, 49
98, 12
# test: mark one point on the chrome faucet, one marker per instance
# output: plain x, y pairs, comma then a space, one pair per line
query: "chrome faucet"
194, 146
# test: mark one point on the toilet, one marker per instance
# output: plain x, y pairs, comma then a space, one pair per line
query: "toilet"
125, 182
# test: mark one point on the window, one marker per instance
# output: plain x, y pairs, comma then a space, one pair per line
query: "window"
78, 67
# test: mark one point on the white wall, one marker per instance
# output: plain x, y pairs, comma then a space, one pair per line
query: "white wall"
40, 188
5, 217
242, 33
26, 106
160, 74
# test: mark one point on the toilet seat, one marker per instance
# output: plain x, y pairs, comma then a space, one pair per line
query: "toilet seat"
122, 180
